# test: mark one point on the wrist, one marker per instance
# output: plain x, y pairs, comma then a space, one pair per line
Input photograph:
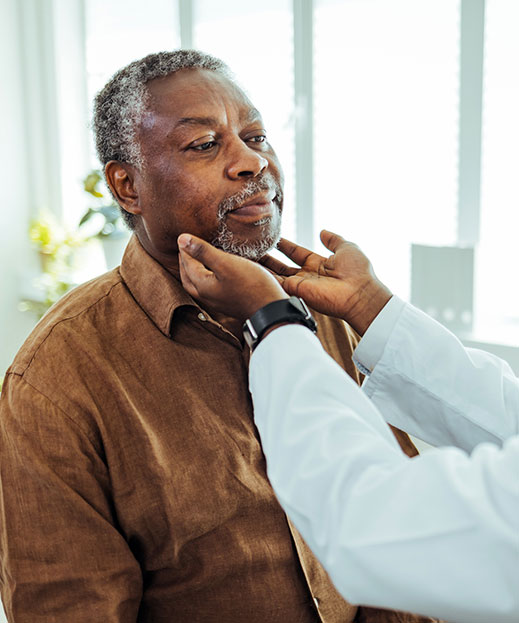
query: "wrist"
275, 314
369, 301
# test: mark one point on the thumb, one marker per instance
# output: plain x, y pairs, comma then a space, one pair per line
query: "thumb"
201, 250
193, 274
331, 241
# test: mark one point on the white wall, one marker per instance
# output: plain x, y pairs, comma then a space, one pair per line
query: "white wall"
42, 141
16, 183
13, 207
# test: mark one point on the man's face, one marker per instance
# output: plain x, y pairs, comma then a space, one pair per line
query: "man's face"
208, 168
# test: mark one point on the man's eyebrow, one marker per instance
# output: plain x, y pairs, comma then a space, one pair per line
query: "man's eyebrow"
251, 115
206, 121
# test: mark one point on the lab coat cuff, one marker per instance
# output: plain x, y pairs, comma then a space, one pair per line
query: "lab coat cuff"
371, 347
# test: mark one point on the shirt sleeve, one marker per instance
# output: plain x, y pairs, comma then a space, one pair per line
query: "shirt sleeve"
437, 534
426, 382
62, 557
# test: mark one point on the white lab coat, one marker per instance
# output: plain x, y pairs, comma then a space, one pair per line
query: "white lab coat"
437, 534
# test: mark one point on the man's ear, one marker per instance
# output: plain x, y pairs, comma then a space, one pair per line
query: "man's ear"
121, 179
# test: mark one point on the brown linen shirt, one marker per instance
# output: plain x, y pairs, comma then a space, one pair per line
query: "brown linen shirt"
133, 486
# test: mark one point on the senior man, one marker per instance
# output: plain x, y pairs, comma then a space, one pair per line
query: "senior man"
133, 484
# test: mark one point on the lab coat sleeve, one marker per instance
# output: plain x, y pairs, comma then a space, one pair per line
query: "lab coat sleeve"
428, 384
437, 534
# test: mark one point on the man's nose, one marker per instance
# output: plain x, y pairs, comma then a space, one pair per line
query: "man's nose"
245, 161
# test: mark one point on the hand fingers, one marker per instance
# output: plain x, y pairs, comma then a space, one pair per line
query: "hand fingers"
295, 252
292, 285
331, 241
201, 250
277, 267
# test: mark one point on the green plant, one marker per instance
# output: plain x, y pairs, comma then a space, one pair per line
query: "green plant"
106, 217
55, 246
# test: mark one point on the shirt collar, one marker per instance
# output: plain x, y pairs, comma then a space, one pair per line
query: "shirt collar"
155, 289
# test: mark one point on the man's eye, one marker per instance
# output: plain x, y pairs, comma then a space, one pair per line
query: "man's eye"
204, 146
258, 139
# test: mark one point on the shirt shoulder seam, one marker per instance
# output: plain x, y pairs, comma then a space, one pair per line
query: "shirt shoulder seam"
55, 406
61, 321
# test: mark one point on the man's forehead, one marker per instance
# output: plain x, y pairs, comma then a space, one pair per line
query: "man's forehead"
193, 95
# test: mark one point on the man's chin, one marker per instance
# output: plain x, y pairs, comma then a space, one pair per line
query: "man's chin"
264, 238
249, 249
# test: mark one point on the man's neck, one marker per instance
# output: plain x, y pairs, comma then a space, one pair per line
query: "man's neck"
171, 263
168, 260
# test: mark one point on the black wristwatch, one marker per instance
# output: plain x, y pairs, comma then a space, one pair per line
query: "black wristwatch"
290, 310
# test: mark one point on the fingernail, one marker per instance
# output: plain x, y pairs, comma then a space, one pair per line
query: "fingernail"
184, 241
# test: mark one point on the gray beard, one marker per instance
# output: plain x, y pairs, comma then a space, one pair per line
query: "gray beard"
270, 227
250, 249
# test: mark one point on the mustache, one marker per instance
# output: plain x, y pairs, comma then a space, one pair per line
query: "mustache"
251, 188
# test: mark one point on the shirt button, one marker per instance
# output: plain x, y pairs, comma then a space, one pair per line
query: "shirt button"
202, 317
316, 602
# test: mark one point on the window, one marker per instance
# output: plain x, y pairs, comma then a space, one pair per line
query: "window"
386, 108
497, 297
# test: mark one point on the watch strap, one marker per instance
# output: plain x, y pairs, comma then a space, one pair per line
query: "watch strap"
289, 310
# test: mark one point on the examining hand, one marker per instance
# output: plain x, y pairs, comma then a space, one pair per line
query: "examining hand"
342, 285
224, 282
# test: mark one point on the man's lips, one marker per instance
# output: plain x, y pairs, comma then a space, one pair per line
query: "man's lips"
257, 207
258, 210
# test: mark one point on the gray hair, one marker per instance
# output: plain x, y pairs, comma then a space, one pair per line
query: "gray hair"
119, 106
